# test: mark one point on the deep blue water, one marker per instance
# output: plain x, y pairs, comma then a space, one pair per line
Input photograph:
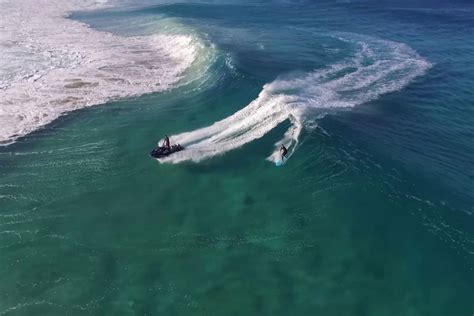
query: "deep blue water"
373, 214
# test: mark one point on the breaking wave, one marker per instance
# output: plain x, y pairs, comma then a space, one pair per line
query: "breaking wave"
50, 65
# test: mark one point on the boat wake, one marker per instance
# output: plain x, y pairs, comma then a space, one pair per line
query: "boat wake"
377, 67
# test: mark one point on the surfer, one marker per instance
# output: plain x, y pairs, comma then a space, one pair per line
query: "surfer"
166, 142
283, 152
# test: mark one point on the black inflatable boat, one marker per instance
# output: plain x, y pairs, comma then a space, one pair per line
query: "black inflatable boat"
160, 152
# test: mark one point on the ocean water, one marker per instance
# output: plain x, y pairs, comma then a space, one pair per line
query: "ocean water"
371, 214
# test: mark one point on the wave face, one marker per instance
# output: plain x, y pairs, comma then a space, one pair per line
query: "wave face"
376, 67
50, 65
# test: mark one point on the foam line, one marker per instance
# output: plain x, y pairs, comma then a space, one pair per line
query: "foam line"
50, 65
377, 67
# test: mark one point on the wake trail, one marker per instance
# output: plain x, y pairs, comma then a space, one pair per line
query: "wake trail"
377, 67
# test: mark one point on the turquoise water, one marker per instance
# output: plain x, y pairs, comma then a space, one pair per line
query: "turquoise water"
371, 215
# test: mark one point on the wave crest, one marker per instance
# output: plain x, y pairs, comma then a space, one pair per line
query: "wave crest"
51, 65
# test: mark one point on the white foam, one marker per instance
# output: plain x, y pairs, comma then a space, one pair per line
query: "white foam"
50, 65
376, 68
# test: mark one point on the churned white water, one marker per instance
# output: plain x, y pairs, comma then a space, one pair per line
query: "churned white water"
50, 65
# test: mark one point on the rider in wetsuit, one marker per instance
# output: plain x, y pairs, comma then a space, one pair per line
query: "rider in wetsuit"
166, 143
283, 151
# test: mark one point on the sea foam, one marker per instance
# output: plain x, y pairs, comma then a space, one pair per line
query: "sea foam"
50, 65
377, 67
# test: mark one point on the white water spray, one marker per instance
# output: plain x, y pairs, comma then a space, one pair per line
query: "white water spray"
378, 67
